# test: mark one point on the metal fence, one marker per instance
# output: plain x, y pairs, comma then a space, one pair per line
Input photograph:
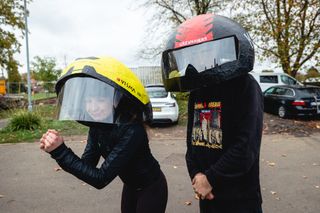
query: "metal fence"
36, 87
147, 75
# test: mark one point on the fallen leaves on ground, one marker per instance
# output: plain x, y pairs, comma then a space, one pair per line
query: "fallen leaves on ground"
299, 127
196, 196
271, 164
188, 203
57, 169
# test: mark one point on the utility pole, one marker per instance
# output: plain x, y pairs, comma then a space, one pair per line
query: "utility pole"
27, 51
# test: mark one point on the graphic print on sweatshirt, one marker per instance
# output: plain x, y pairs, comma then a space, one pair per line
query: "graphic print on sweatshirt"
207, 130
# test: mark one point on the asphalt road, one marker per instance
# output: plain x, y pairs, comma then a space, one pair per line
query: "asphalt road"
29, 182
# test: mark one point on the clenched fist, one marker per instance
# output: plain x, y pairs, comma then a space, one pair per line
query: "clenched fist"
202, 187
50, 140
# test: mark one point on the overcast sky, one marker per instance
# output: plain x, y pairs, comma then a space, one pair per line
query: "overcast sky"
68, 29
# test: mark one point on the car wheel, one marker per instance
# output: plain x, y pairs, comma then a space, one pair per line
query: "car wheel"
282, 112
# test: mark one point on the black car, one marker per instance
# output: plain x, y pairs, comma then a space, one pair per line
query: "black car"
292, 100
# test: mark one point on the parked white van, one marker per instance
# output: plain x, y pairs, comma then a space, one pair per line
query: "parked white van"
269, 79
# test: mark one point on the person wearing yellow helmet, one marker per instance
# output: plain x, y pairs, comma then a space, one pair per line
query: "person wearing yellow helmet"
105, 95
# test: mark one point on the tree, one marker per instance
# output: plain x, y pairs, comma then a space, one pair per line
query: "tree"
312, 73
288, 31
14, 77
11, 26
44, 69
167, 15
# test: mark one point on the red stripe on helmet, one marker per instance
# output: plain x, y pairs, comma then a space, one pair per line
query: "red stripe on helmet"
194, 31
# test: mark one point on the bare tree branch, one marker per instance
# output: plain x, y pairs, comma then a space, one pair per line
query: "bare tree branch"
170, 13
288, 30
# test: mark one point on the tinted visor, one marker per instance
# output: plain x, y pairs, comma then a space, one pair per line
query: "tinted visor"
87, 99
202, 57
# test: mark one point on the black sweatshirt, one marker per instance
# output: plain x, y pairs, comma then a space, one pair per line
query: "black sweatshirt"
126, 152
224, 136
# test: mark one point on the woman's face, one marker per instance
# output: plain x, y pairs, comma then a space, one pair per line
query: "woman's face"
99, 108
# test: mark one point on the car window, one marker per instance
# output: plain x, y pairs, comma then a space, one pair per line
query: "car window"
287, 80
309, 91
289, 92
280, 91
270, 91
269, 79
157, 92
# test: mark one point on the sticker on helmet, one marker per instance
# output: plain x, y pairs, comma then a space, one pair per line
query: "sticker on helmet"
195, 31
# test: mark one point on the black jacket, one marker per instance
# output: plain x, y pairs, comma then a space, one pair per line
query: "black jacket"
224, 136
126, 152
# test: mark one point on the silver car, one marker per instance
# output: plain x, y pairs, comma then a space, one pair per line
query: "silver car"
165, 108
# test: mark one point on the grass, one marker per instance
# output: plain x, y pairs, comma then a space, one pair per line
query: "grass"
66, 128
5, 114
48, 121
40, 96
24, 120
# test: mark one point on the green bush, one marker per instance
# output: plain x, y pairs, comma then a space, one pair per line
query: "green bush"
184, 96
24, 120
182, 99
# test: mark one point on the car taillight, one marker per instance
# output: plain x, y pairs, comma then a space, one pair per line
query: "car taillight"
298, 103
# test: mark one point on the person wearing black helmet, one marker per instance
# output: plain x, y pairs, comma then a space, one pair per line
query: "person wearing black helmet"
105, 95
210, 56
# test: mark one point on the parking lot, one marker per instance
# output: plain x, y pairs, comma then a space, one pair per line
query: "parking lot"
32, 182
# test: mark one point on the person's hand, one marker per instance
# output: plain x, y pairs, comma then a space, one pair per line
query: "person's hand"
50, 140
202, 187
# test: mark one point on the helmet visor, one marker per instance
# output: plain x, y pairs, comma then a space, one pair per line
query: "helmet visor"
202, 57
86, 99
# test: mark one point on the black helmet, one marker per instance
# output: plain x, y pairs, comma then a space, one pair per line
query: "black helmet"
207, 49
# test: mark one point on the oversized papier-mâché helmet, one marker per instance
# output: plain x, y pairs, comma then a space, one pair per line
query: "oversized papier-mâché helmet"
99, 90
206, 49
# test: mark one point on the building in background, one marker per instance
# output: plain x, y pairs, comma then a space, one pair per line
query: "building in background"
148, 74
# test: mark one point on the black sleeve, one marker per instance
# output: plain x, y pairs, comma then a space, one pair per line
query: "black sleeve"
91, 154
121, 154
248, 119
191, 161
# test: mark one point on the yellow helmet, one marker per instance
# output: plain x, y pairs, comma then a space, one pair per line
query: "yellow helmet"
118, 92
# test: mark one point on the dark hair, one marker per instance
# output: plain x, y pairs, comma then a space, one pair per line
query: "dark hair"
128, 111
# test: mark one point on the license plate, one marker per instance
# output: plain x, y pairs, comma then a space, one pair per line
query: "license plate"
156, 109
